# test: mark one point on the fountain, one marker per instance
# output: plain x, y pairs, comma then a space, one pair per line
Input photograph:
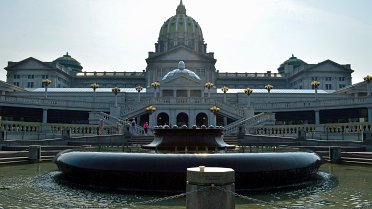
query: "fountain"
166, 171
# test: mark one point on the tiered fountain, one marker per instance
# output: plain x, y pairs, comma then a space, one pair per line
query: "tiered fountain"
165, 170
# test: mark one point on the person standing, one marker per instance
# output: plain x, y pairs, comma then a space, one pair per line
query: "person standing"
133, 127
146, 127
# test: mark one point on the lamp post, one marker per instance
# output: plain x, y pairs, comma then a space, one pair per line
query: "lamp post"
209, 85
151, 109
116, 90
46, 83
215, 110
224, 89
315, 85
94, 86
268, 87
155, 85
152, 119
139, 89
368, 79
248, 91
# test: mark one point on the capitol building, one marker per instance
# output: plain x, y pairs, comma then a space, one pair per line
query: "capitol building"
181, 86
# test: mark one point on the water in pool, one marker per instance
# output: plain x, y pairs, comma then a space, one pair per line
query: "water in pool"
35, 186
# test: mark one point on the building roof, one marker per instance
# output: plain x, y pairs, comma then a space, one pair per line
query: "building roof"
230, 91
279, 91
71, 90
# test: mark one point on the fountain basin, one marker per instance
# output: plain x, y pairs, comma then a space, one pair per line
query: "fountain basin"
153, 172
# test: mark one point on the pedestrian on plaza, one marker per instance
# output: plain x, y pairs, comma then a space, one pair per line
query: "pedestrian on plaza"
133, 126
146, 127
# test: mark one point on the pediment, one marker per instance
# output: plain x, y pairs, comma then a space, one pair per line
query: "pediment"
30, 64
181, 53
182, 81
329, 66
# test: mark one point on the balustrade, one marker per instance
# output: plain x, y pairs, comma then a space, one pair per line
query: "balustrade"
344, 130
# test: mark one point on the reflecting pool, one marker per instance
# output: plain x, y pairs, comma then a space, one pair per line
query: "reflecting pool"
36, 186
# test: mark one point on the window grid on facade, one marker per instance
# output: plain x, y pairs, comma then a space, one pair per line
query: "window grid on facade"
30, 84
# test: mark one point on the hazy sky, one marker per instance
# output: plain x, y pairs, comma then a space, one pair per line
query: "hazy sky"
245, 35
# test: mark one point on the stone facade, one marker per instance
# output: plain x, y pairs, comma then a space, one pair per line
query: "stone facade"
180, 38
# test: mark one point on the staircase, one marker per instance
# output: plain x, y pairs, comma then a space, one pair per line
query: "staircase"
233, 111
111, 120
232, 128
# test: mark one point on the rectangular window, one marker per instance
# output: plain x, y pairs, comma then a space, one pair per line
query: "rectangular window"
16, 76
328, 86
45, 76
328, 78
30, 85
30, 76
341, 78
16, 83
342, 86
314, 78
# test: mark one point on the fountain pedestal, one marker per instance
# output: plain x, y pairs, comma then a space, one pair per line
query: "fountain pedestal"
192, 139
219, 180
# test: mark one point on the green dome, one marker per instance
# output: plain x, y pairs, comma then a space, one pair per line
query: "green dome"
70, 63
180, 29
294, 61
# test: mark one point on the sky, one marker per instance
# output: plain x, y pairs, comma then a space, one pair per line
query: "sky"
245, 35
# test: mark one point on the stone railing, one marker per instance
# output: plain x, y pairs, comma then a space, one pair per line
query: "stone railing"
17, 126
232, 109
233, 128
52, 103
250, 75
312, 104
114, 121
15, 130
331, 131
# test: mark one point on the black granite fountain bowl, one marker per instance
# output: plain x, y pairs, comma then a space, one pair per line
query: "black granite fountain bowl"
167, 172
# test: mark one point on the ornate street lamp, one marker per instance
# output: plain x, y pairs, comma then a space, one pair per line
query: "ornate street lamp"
139, 89
116, 90
315, 85
268, 87
224, 89
368, 79
94, 86
209, 85
46, 83
215, 110
155, 85
248, 91
151, 109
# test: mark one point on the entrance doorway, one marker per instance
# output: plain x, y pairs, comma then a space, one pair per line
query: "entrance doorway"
201, 119
182, 119
162, 119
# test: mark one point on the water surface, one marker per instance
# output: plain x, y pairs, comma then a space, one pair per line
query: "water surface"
35, 186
